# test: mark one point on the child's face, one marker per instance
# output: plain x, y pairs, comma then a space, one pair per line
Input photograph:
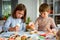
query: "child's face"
19, 13
44, 14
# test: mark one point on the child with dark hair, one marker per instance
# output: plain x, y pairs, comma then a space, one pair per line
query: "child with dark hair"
16, 21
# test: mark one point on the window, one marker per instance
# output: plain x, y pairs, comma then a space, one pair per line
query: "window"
6, 8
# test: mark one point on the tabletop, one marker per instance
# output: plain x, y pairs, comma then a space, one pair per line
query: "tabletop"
34, 36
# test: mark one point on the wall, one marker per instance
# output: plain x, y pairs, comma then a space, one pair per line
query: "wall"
31, 6
13, 4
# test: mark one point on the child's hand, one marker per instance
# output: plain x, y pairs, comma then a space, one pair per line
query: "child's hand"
32, 26
11, 29
54, 31
16, 28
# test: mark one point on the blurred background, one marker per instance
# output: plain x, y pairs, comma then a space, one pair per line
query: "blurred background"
7, 6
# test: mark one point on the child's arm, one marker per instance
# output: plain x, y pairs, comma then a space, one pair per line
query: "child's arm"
48, 29
7, 24
53, 24
16, 28
36, 23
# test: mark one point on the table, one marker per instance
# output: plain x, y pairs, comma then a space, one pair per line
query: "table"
7, 34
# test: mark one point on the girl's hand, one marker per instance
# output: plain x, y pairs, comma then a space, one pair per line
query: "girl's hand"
16, 28
11, 29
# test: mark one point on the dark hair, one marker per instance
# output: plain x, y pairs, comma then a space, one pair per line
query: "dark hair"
44, 7
19, 7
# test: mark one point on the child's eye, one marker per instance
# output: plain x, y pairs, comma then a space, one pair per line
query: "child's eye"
21, 14
44, 13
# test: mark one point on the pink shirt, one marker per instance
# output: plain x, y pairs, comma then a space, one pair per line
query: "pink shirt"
45, 22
